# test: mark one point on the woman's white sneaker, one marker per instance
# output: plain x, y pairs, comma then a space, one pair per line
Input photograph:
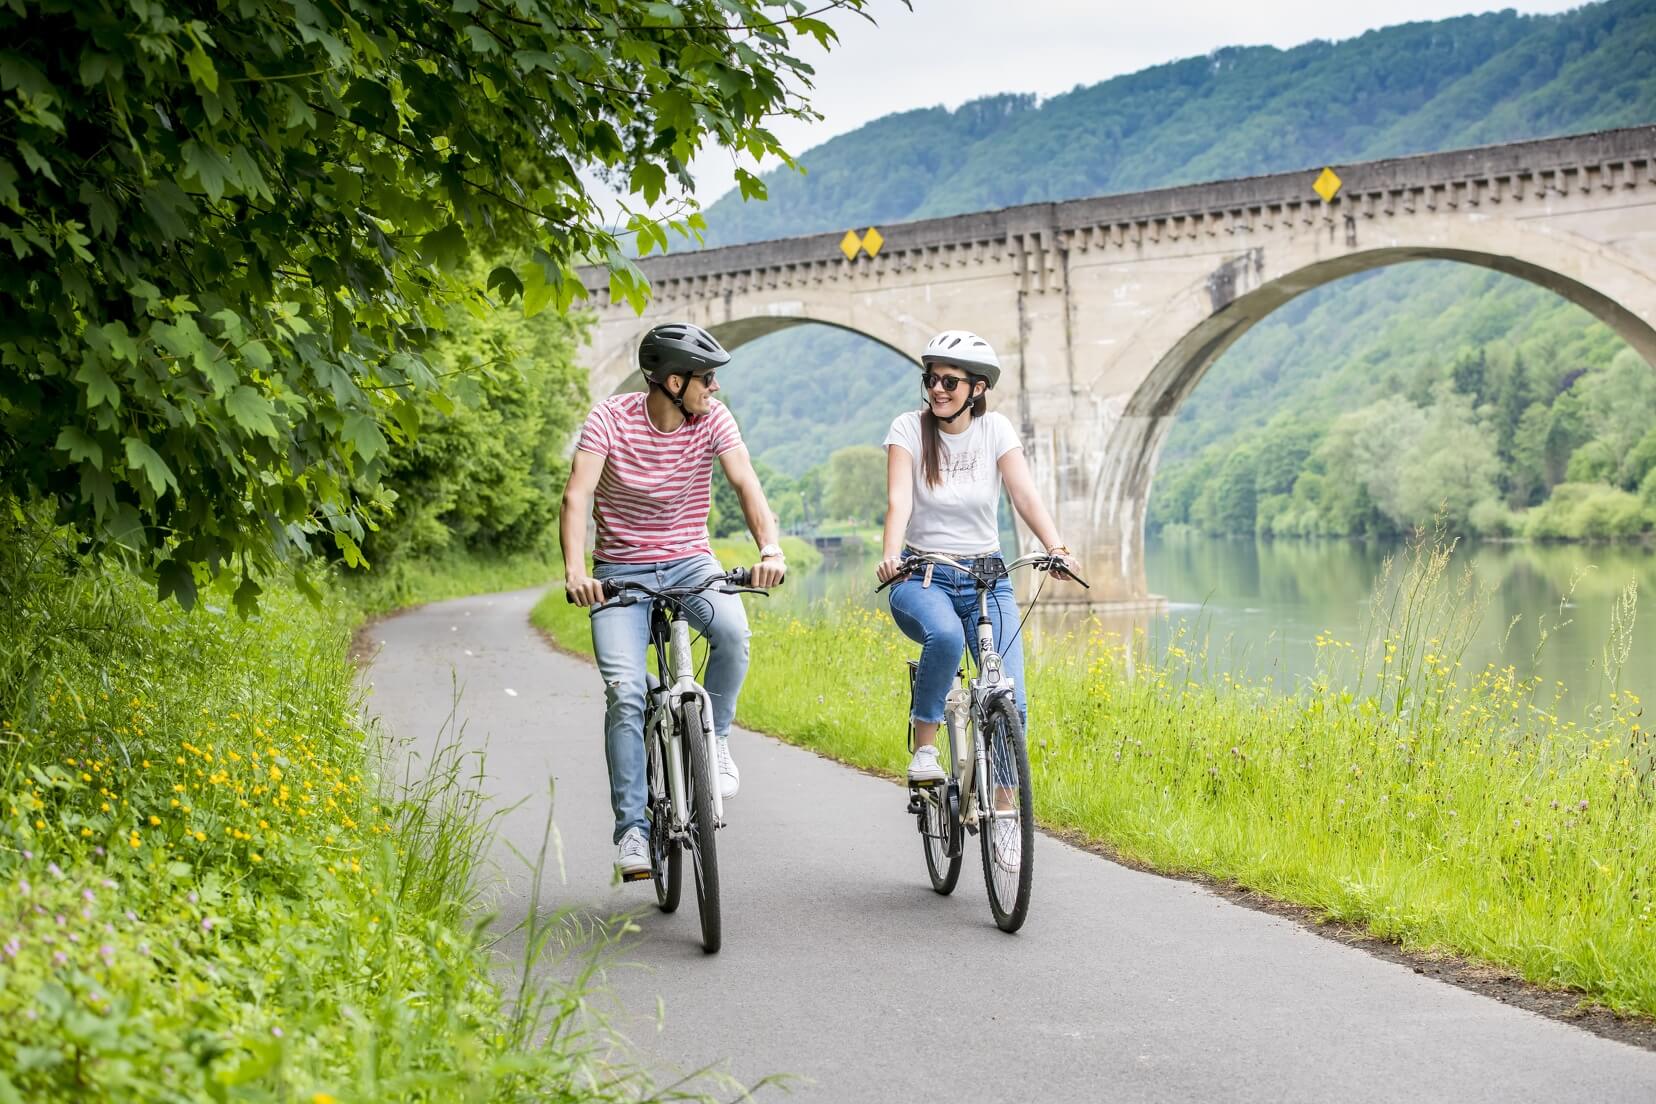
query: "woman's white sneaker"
924, 767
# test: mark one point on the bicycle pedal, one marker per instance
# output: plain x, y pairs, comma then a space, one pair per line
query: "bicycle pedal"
636, 876
915, 803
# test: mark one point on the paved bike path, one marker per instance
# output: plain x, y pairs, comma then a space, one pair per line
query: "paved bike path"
841, 966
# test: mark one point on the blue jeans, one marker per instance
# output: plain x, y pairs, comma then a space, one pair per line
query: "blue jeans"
620, 641
943, 619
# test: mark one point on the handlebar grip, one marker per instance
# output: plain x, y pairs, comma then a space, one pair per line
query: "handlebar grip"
739, 576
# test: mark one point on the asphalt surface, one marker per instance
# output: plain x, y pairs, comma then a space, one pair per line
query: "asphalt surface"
842, 968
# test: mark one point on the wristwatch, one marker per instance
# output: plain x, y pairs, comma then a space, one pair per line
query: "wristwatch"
771, 551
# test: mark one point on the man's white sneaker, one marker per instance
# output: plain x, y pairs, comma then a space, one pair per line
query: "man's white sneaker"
730, 779
924, 767
1008, 845
632, 854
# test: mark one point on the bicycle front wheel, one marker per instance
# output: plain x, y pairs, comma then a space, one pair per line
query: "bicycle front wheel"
1007, 826
704, 854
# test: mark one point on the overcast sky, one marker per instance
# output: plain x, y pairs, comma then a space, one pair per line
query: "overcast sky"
951, 51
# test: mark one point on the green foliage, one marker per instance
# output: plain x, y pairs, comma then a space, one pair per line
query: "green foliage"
209, 893
856, 484
486, 465
1589, 511
234, 226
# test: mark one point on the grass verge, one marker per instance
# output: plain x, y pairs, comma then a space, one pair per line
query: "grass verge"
210, 894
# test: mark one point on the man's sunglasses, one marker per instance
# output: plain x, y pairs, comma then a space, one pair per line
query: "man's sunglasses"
931, 379
705, 377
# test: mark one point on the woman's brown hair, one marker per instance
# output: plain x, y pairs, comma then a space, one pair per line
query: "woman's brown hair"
931, 445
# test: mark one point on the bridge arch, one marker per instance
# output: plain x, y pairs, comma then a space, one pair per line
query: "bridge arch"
740, 321
1191, 332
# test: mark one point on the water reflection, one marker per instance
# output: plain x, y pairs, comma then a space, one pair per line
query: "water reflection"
1261, 605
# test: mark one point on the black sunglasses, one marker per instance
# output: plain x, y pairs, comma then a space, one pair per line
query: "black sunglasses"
705, 377
930, 380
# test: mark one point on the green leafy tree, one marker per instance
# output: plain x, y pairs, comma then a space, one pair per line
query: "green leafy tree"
1451, 467
234, 226
1527, 474
484, 470
856, 483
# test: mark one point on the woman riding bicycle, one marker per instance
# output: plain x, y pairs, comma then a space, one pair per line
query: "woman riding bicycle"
945, 466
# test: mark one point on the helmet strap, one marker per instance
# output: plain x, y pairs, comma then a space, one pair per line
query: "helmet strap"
678, 400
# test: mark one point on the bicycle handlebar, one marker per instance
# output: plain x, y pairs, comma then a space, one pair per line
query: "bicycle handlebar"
626, 592
1040, 561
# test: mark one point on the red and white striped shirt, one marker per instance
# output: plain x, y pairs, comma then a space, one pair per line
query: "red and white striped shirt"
655, 491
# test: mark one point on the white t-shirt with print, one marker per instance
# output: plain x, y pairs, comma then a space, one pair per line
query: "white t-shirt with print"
958, 516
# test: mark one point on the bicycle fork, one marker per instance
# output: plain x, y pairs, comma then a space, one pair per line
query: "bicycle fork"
687, 694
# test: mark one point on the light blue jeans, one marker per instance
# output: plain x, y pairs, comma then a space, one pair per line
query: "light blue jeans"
943, 619
620, 641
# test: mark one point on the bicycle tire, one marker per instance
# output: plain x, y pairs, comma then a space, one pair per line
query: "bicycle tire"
666, 855
1009, 889
704, 852
939, 827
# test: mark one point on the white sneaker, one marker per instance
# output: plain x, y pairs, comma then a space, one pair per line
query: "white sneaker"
730, 779
924, 767
1008, 849
632, 854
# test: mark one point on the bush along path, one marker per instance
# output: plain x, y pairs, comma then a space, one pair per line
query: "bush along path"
208, 892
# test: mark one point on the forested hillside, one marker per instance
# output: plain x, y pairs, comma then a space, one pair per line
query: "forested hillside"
1238, 111
1405, 334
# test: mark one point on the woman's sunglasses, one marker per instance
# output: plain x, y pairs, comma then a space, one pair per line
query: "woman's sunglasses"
931, 379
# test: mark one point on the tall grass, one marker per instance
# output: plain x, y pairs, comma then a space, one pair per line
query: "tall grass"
1435, 805
211, 892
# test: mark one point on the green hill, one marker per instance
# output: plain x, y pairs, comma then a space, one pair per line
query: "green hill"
1405, 89
1238, 111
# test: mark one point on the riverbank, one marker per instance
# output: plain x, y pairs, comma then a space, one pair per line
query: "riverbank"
211, 892
1426, 803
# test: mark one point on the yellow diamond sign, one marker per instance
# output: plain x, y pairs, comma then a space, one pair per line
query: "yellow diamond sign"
1327, 185
850, 244
872, 241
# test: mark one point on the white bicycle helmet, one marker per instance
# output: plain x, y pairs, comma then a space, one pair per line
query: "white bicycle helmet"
966, 351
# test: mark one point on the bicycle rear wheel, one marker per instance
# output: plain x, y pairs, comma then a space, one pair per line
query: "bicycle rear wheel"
666, 856
940, 835
704, 854
1007, 826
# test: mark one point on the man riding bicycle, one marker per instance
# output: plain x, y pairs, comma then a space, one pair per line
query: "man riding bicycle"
642, 470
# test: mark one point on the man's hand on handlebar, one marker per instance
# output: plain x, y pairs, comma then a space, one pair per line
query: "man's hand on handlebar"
768, 573
583, 589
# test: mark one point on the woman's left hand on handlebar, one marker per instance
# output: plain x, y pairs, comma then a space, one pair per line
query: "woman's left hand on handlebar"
889, 568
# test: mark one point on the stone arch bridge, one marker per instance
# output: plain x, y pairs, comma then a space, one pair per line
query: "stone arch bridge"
1107, 312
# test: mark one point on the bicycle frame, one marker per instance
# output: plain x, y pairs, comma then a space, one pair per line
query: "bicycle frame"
676, 688
969, 765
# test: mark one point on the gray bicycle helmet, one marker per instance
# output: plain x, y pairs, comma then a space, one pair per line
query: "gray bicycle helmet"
679, 349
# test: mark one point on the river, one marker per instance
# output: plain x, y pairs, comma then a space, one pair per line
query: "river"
1260, 606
